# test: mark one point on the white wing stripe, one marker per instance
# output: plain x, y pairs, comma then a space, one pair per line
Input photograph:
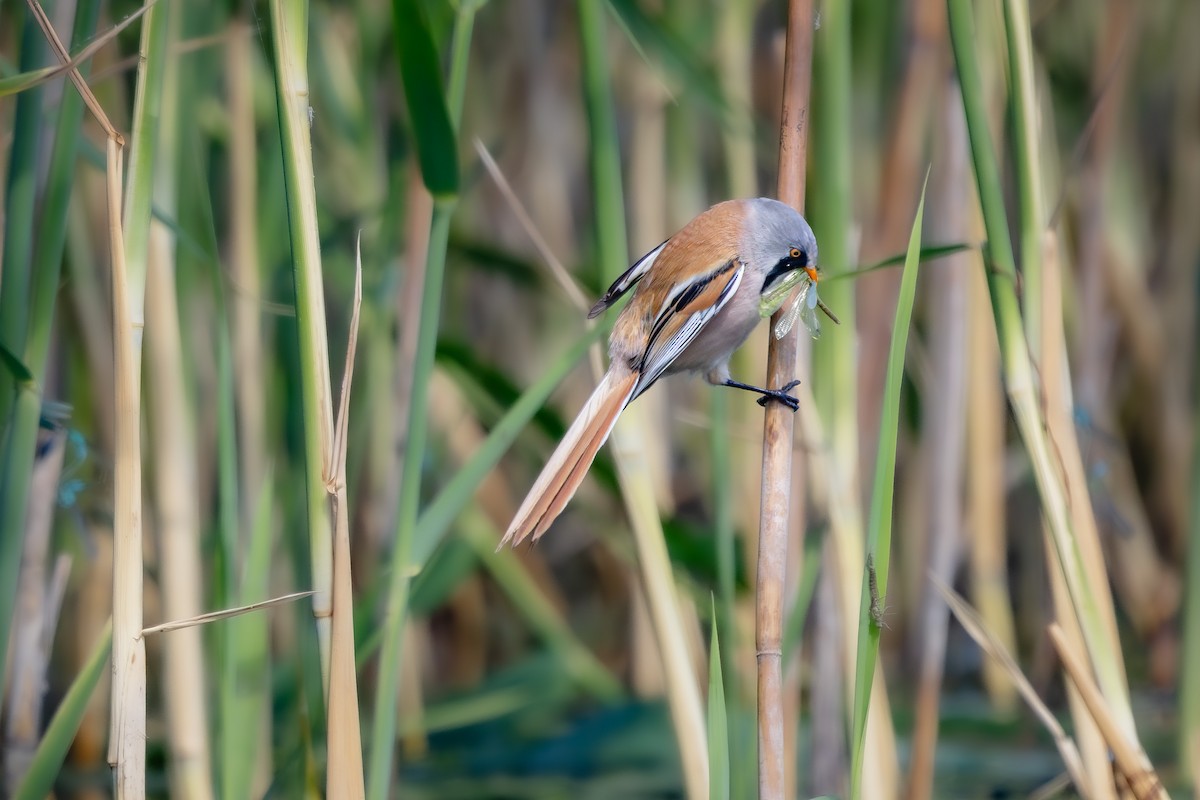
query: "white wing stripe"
661, 356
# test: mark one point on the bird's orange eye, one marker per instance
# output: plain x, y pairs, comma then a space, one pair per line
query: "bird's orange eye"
795, 253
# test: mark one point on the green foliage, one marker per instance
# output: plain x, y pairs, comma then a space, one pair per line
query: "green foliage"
879, 525
718, 720
421, 73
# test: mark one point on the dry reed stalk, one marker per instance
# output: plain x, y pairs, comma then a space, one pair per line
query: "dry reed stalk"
774, 760
1060, 426
224, 613
174, 453
986, 418
34, 618
1092, 748
1130, 758
1136, 571
683, 693
652, 215
942, 445
976, 627
344, 777
127, 744
289, 20
648, 226
177, 513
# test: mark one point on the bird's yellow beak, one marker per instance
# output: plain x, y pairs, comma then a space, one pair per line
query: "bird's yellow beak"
812, 273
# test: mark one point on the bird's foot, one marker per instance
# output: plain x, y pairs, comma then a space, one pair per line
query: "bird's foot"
781, 395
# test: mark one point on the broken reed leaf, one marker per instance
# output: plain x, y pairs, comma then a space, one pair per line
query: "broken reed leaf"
214, 616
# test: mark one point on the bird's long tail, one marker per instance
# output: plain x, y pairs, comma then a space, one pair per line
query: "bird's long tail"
569, 463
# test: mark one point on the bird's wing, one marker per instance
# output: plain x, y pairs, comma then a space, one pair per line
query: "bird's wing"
683, 315
626, 282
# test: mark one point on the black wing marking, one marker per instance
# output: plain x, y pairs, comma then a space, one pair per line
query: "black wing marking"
624, 283
659, 356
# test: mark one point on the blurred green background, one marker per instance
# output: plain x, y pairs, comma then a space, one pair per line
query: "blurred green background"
584, 134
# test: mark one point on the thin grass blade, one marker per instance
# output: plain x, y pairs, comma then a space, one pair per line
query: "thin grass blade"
879, 525
718, 720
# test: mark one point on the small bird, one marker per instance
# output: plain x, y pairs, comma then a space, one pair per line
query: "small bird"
697, 300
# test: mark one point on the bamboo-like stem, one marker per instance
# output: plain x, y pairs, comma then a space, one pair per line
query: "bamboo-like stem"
129, 238
289, 19
986, 416
1042, 304
773, 756
127, 743
1097, 625
683, 694
1029, 167
344, 778
173, 448
655, 205
1060, 424
1130, 758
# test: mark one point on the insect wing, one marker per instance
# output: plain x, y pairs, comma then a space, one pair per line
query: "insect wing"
808, 314
784, 325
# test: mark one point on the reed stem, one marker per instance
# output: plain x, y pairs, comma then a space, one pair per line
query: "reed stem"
774, 760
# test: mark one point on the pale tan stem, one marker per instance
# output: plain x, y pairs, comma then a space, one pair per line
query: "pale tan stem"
773, 757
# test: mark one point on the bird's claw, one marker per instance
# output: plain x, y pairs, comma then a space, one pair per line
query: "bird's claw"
781, 395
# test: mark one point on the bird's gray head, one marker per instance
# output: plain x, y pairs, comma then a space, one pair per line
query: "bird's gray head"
777, 241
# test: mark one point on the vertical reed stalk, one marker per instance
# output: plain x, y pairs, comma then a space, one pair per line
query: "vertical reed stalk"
654, 212
344, 778
873, 596
734, 43
173, 449
774, 760
129, 234
289, 19
1097, 625
1029, 166
683, 694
